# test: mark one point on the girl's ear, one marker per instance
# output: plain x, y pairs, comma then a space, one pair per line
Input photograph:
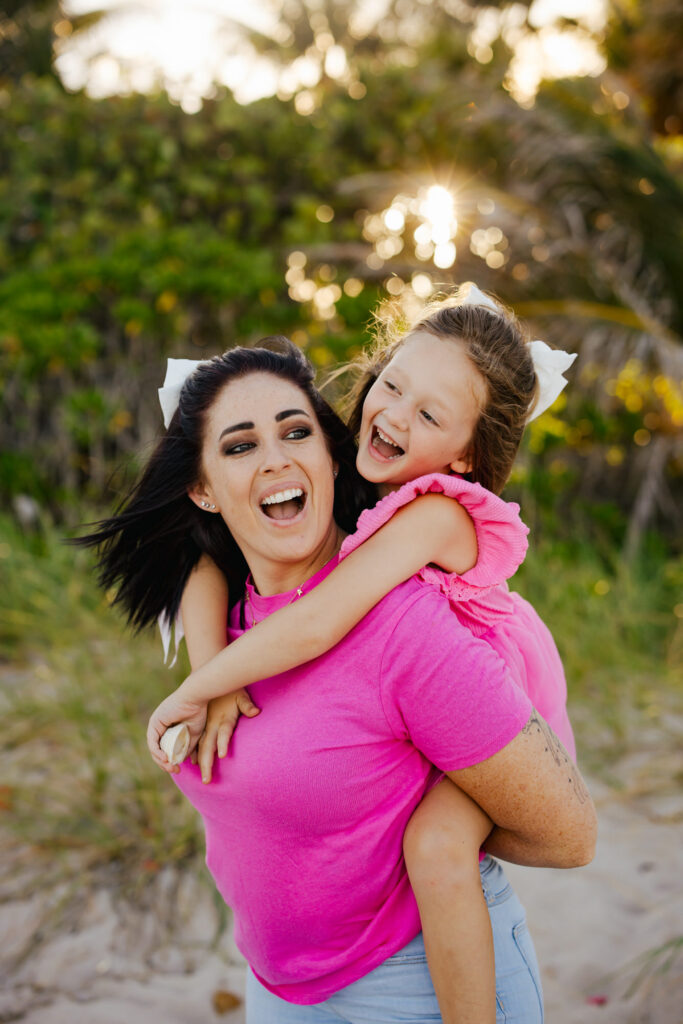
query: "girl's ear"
202, 496
463, 465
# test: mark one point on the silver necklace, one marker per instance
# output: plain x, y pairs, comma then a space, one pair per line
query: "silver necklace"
297, 593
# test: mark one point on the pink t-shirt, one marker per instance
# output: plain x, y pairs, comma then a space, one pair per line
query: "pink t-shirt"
305, 817
480, 597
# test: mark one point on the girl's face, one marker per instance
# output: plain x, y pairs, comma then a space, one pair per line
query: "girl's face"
267, 469
420, 414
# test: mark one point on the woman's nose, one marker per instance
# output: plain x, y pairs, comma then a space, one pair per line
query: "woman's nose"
275, 457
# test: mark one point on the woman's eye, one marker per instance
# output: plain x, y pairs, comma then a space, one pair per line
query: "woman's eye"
238, 449
298, 433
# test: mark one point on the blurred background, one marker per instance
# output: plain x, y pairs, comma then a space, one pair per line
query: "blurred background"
177, 177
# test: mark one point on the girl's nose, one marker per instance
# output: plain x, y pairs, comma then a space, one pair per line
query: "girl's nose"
397, 414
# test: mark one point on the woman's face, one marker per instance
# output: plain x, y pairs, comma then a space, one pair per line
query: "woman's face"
267, 469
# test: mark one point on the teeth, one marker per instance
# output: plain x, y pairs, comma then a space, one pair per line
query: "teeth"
276, 499
387, 439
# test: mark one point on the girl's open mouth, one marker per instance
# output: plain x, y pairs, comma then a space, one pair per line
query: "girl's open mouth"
387, 448
285, 504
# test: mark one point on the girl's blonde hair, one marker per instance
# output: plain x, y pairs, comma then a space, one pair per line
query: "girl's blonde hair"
496, 343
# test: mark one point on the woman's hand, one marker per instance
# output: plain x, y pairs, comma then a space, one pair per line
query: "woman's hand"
175, 708
221, 719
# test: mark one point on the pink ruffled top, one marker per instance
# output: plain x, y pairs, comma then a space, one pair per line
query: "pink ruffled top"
479, 597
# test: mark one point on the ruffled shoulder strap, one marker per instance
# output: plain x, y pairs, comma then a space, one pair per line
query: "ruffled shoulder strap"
479, 598
501, 534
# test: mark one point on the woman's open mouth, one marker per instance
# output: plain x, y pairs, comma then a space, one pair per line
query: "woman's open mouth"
382, 444
285, 504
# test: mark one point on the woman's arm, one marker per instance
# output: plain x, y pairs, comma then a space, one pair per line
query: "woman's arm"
535, 795
432, 528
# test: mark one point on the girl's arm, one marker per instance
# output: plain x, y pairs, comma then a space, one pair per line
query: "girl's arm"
204, 608
431, 528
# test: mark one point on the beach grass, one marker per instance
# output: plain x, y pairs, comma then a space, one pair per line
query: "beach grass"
77, 689
619, 630
79, 788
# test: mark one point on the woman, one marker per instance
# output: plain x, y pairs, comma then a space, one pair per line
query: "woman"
305, 818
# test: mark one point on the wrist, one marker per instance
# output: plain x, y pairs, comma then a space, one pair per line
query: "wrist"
189, 690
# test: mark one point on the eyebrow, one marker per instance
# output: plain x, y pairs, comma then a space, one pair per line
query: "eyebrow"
286, 413
249, 424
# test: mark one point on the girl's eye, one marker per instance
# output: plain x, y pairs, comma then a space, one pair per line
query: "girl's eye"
390, 386
426, 415
298, 433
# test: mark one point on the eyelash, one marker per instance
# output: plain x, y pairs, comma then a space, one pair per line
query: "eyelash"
238, 449
244, 446
302, 431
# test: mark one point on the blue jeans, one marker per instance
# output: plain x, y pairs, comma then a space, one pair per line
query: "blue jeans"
401, 989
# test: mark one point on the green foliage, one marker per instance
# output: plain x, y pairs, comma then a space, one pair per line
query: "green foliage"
27, 37
643, 44
131, 231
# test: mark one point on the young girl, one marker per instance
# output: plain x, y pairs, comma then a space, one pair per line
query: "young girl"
450, 397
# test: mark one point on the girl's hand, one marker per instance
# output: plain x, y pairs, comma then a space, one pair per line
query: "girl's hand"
221, 720
176, 708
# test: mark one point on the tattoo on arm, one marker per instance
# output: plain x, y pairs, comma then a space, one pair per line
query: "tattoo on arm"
559, 754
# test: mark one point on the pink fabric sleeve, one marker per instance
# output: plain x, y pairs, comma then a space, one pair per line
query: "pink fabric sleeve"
479, 597
451, 694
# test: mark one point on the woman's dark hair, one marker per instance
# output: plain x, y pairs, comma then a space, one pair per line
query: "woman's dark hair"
496, 344
149, 547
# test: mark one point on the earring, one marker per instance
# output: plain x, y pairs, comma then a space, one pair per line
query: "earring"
335, 473
206, 504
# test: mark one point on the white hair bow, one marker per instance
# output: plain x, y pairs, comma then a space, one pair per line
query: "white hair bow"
177, 372
171, 630
475, 297
549, 363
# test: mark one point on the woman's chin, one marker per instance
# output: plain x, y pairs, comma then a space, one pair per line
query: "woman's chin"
293, 539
